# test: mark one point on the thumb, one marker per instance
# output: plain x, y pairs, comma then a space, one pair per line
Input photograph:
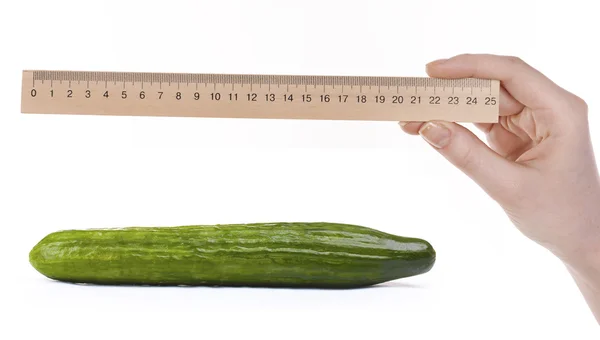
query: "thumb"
495, 174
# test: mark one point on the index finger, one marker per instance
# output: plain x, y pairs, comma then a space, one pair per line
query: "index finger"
526, 84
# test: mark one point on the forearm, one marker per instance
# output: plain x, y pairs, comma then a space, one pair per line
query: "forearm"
584, 264
589, 285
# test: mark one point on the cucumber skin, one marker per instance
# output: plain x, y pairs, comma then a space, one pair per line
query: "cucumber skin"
290, 254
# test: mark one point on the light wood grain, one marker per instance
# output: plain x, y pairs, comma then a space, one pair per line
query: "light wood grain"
231, 96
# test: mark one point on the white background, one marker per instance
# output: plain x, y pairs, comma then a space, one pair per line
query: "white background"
60, 172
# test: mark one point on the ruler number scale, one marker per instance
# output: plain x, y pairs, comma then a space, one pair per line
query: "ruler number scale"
260, 96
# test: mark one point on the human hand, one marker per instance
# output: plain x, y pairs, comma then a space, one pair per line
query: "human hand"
539, 165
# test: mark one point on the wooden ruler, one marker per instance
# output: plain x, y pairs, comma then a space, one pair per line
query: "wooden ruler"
260, 96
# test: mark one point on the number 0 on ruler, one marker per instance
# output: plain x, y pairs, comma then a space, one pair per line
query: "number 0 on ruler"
260, 96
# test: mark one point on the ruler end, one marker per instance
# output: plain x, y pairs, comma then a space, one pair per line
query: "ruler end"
28, 90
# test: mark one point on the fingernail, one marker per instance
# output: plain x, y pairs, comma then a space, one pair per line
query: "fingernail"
435, 134
436, 62
402, 123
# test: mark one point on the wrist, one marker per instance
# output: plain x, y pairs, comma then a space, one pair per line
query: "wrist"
580, 246
583, 257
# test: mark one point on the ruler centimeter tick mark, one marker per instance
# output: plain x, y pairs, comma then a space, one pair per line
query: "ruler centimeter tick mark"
260, 96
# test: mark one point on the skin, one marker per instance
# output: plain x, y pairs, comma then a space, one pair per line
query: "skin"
538, 163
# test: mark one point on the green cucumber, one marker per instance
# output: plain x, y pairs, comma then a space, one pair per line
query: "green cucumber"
318, 255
